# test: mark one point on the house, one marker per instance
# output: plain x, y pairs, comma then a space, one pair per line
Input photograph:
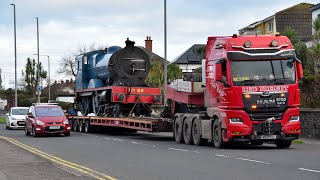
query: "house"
315, 11
191, 59
148, 48
297, 17
3, 104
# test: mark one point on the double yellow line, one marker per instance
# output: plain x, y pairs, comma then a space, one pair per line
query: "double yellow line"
77, 167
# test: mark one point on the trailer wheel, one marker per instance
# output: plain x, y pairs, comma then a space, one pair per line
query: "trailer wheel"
196, 129
178, 129
217, 134
87, 127
75, 126
283, 144
81, 126
187, 136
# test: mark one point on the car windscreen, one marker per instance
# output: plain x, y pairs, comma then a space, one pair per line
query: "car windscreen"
266, 72
23, 111
49, 111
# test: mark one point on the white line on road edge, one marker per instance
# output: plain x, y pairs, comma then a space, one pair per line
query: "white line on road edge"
106, 138
143, 144
184, 150
117, 140
221, 155
303, 169
251, 160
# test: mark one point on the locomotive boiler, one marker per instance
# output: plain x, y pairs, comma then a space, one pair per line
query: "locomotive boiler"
111, 82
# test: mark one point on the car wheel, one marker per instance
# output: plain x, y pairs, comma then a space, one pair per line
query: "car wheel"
34, 134
7, 127
26, 130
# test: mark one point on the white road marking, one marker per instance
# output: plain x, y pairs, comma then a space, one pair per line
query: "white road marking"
106, 138
184, 150
117, 139
221, 155
143, 144
196, 152
303, 169
251, 160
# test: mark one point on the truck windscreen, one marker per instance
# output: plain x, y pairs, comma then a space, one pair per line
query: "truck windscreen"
266, 72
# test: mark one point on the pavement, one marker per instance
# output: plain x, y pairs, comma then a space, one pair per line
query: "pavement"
19, 164
147, 156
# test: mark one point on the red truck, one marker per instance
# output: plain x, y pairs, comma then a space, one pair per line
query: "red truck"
249, 93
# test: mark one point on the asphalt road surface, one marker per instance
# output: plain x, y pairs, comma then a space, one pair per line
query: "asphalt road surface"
146, 156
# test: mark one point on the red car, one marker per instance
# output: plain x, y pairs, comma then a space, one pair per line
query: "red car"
46, 119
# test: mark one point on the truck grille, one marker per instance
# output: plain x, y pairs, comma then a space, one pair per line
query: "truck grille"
265, 116
266, 128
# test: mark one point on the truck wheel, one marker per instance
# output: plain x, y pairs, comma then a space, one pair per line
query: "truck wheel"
178, 130
75, 126
81, 126
87, 127
283, 144
196, 129
217, 134
187, 136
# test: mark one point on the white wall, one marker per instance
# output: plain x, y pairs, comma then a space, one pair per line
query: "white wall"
65, 99
3, 103
315, 14
188, 67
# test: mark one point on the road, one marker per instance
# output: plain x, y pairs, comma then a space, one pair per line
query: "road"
145, 156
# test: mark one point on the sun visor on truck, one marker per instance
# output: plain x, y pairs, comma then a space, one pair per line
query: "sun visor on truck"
240, 55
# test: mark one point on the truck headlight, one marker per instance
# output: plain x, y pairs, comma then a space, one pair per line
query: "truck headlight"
236, 120
294, 118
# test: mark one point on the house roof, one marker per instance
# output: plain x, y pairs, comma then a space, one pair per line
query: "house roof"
190, 56
153, 56
315, 7
253, 25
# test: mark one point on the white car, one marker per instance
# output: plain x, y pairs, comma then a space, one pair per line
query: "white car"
16, 118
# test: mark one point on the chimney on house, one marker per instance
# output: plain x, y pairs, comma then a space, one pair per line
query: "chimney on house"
148, 44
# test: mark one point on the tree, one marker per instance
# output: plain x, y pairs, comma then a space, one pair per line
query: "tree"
316, 28
291, 34
155, 77
31, 76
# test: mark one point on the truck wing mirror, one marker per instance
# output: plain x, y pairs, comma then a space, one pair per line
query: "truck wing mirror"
300, 70
218, 72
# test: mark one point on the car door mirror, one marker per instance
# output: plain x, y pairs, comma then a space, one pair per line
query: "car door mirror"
7, 114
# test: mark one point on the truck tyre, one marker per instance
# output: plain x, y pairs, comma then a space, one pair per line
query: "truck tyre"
217, 134
187, 126
75, 126
178, 129
196, 130
71, 124
87, 127
283, 144
81, 126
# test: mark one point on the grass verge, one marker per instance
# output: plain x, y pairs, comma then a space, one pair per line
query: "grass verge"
2, 120
297, 141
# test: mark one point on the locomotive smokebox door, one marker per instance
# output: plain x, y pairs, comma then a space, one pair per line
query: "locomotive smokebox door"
130, 65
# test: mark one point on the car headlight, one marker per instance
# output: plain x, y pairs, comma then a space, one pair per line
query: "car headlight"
294, 118
66, 122
236, 120
40, 123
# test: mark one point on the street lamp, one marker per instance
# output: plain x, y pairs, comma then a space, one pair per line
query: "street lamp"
165, 53
38, 72
15, 58
48, 73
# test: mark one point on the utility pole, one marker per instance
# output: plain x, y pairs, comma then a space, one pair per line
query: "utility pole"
165, 53
38, 69
48, 73
15, 57
0, 80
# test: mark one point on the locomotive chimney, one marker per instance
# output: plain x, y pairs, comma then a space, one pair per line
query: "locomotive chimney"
148, 44
129, 43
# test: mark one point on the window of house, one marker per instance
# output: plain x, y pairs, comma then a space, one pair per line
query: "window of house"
270, 26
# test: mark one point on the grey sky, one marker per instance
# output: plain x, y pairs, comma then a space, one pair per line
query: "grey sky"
66, 25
